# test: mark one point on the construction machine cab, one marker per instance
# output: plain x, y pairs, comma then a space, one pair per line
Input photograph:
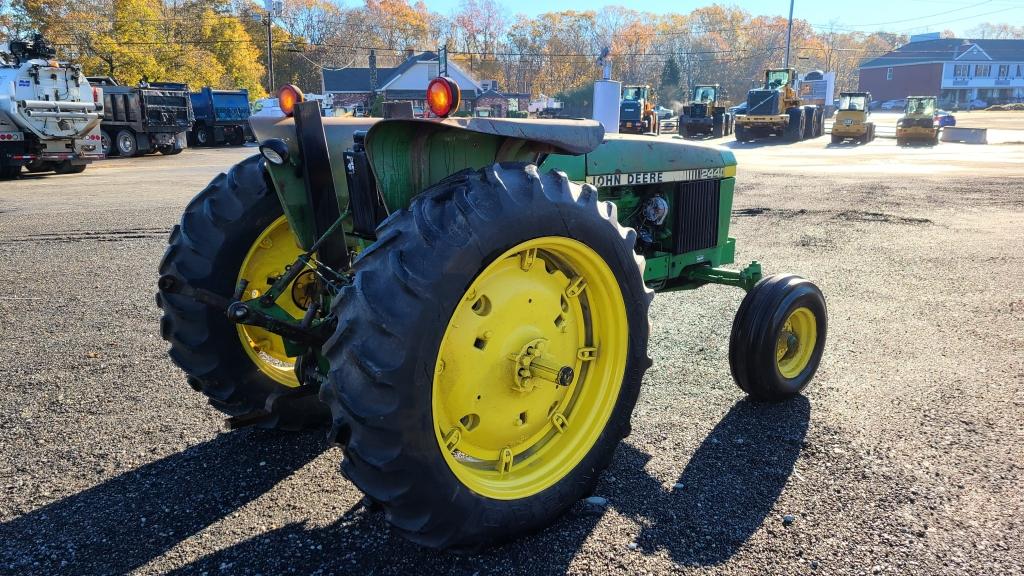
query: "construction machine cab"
854, 101
635, 93
705, 94
920, 107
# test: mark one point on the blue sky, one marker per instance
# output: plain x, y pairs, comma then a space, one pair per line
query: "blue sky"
907, 16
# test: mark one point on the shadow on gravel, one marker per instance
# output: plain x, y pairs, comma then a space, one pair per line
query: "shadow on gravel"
133, 518
730, 486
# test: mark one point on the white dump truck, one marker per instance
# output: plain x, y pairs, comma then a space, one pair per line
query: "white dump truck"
49, 114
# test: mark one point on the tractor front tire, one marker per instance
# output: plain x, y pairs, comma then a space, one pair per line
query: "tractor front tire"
441, 420
223, 231
778, 337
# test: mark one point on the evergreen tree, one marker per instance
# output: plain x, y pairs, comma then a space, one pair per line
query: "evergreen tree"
669, 88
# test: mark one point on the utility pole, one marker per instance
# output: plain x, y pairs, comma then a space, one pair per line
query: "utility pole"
789, 33
273, 7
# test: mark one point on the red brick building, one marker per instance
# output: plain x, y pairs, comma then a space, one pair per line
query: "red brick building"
956, 70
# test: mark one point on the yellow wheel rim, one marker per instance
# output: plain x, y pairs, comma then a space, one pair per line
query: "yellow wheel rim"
268, 257
529, 368
795, 344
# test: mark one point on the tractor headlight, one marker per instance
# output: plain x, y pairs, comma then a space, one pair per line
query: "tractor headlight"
275, 151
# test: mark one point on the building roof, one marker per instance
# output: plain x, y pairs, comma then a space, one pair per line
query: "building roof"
358, 79
949, 50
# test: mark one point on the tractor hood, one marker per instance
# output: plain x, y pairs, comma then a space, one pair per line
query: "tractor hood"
627, 159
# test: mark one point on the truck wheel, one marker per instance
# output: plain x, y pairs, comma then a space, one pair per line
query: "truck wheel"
127, 145
203, 136
170, 150
9, 172
778, 337
794, 131
107, 144
488, 355
235, 229
741, 134
66, 167
836, 139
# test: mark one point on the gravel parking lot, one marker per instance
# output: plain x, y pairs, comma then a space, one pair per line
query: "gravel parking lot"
904, 456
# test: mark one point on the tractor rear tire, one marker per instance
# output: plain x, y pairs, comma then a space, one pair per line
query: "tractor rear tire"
778, 337
741, 133
206, 250
394, 355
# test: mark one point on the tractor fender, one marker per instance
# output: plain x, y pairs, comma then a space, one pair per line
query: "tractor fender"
410, 155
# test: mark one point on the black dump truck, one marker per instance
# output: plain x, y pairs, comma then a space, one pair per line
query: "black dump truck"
222, 117
150, 117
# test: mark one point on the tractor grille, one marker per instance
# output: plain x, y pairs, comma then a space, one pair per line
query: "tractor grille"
696, 216
698, 110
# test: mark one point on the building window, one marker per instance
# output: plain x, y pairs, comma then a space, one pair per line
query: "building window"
982, 70
888, 73
1004, 70
961, 70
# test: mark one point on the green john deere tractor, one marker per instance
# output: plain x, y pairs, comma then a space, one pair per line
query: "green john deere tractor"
462, 301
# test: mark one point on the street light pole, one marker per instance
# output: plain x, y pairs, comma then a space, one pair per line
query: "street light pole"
789, 33
270, 53
273, 7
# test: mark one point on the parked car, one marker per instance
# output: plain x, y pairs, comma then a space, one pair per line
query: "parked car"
663, 112
670, 125
741, 109
944, 118
894, 105
976, 104
874, 105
